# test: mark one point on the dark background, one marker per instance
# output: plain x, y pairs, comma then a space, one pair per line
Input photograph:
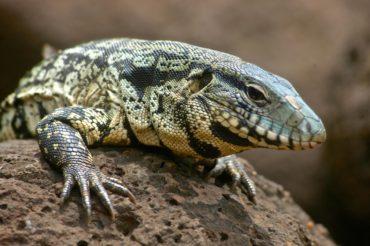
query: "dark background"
322, 47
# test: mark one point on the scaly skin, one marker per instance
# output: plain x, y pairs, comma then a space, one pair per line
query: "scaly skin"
196, 102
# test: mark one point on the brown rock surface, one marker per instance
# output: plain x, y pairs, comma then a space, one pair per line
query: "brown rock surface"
304, 41
174, 205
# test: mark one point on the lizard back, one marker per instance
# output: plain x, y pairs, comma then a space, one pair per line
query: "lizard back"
117, 75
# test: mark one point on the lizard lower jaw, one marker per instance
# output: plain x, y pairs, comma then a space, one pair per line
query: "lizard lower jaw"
320, 136
317, 139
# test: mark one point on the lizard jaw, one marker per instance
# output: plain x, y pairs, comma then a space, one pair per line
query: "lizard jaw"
248, 126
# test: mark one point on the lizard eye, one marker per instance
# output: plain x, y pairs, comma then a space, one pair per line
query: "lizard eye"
257, 95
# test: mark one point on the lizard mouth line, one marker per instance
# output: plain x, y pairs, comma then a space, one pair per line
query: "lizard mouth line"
232, 122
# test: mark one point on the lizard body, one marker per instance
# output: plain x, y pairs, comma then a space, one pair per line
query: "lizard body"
193, 101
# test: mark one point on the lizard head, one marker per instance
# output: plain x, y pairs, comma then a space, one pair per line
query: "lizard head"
252, 108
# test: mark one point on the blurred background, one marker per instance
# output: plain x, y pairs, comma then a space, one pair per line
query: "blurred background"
322, 47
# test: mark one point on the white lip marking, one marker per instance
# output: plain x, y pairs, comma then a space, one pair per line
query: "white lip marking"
252, 140
245, 130
283, 139
271, 135
234, 121
225, 124
260, 131
233, 130
254, 118
293, 102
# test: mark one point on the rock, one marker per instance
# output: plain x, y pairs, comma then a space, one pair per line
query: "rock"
174, 205
302, 46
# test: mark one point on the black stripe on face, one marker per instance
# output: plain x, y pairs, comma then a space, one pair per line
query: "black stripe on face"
291, 145
226, 135
160, 104
253, 133
130, 133
273, 142
202, 148
41, 109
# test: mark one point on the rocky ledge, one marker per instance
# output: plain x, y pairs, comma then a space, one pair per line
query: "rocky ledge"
175, 205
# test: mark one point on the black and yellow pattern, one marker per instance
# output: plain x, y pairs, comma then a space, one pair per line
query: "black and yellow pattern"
63, 138
193, 101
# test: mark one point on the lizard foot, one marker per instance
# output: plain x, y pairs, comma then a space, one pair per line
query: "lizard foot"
235, 170
87, 177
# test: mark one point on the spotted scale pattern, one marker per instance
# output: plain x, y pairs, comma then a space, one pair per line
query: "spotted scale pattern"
63, 137
193, 101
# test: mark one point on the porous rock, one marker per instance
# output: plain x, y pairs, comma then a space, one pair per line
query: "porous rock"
175, 205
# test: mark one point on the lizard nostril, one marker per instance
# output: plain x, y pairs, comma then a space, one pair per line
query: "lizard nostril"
295, 119
308, 127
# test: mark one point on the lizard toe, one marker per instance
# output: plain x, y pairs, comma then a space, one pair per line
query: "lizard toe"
117, 186
69, 182
84, 185
87, 177
248, 187
217, 170
236, 171
99, 189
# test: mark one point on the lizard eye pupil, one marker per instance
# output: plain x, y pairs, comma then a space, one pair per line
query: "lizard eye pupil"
256, 95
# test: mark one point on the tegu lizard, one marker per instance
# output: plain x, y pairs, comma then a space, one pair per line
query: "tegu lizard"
193, 101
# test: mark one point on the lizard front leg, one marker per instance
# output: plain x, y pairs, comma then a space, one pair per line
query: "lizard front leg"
231, 166
63, 138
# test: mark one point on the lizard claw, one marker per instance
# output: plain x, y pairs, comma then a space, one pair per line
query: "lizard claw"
88, 176
69, 182
116, 186
239, 177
